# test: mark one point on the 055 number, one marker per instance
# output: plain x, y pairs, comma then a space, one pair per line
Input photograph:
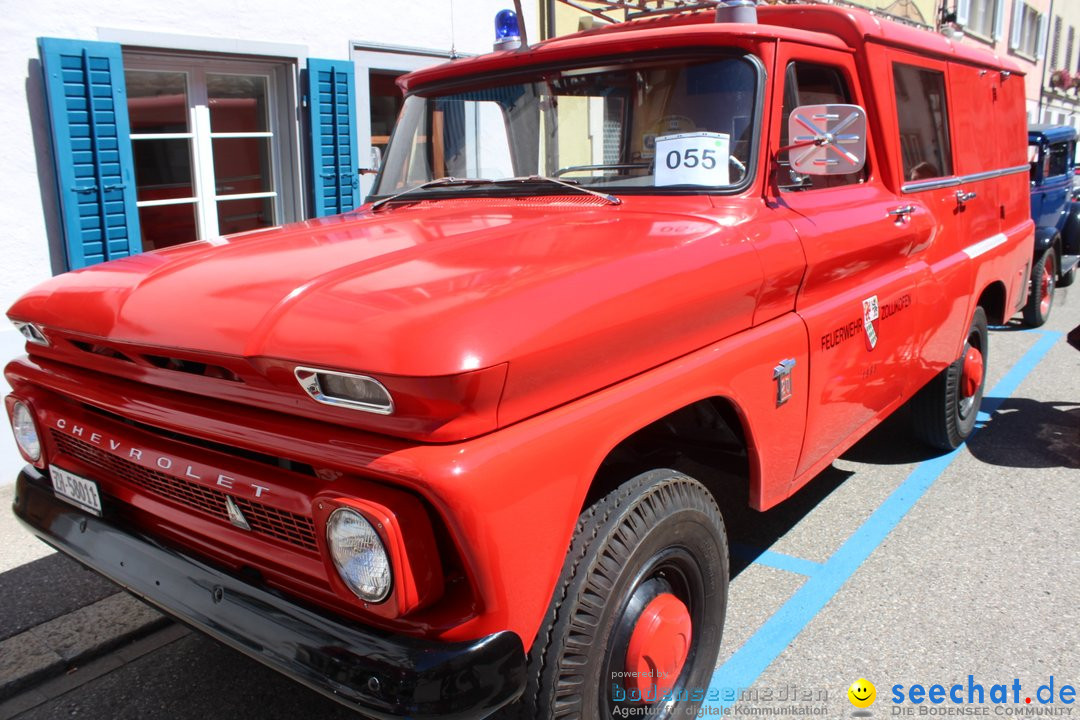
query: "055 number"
691, 158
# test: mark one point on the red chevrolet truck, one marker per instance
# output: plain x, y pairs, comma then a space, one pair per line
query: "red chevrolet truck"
459, 451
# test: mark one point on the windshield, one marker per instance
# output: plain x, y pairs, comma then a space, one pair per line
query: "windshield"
671, 125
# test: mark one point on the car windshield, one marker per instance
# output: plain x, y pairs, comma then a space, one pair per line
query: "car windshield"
665, 125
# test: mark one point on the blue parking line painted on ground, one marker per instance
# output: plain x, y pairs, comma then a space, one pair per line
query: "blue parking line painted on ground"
744, 667
780, 561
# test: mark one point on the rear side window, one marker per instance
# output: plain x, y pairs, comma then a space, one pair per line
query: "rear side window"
924, 122
812, 84
1058, 162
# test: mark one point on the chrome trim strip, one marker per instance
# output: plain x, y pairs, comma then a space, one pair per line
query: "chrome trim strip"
985, 246
309, 380
31, 332
938, 183
935, 184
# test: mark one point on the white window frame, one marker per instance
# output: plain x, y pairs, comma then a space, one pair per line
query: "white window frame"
284, 152
369, 58
967, 9
1029, 27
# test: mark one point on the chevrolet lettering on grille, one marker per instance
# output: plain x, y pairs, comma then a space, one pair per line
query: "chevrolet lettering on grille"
163, 462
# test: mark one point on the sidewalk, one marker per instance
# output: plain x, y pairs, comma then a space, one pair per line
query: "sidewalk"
56, 615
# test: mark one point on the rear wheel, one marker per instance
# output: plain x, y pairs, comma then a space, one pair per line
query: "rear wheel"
637, 616
1043, 280
944, 411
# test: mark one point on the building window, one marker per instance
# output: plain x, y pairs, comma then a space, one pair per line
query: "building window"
1069, 43
386, 102
923, 122
211, 148
982, 18
1028, 36
1055, 49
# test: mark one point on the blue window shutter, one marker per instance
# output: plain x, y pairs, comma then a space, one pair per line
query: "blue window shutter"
91, 138
332, 107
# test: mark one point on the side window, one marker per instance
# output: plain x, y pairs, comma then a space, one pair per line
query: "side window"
924, 122
810, 84
1059, 159
1033, 162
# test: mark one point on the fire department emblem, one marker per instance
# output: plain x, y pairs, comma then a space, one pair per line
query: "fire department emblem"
870, 315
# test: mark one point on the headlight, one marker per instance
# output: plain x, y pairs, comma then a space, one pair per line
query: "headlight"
359, 555
26, 434
355, 391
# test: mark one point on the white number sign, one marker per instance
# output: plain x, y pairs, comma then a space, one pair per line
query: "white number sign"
699, 158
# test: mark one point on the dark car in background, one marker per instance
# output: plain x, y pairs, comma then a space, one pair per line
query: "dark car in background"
1051, 152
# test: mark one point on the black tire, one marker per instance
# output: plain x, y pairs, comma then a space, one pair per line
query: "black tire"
660, 530
1041, 298
944, 416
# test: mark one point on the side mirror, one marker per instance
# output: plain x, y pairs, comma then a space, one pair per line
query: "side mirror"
827, 139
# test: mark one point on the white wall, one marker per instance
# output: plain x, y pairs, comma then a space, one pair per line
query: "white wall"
11, 344
30, 243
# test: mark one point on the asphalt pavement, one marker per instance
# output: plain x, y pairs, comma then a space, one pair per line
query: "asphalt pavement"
897, 564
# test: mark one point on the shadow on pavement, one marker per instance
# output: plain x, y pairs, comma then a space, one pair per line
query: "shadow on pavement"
893, 442
749, 530
1026, 433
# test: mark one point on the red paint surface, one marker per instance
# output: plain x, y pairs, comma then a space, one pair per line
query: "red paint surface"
659, 646
524, 339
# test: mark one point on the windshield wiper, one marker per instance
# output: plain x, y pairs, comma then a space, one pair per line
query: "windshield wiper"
573, 185
437, 182
451, 181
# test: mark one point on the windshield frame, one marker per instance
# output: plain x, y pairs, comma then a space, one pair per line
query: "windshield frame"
534, 73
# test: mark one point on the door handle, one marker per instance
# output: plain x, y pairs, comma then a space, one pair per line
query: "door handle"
901, 214
963, 197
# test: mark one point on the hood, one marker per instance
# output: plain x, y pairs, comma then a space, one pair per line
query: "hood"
560, 288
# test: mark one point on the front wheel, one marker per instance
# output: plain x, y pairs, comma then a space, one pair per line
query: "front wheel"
944, 411
1043, 280
636, 619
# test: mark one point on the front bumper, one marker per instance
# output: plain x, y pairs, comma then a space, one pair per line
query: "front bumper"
375, 673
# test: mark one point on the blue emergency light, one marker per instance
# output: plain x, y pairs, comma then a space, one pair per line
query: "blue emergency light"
507, 30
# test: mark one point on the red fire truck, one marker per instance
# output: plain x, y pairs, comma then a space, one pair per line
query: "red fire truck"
460, 449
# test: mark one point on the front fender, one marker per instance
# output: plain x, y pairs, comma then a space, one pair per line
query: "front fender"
1044, 238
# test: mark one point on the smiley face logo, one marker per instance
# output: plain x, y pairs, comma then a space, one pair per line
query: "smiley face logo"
862, 693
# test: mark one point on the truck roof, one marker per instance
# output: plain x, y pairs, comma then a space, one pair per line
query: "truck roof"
840, 28
1053, 133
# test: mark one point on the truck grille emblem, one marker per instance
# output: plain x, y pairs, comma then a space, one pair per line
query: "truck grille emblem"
235, 516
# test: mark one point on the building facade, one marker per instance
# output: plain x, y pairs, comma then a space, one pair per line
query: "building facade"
134, 125
1061, 77
1040, 35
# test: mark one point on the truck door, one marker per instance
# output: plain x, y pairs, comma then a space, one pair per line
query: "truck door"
858, 289
1056, 185
947, 116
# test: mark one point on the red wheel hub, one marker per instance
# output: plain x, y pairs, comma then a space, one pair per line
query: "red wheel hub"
973, 372
1046, 290
658, 647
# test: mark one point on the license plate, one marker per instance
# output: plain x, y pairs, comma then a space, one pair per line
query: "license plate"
78, 491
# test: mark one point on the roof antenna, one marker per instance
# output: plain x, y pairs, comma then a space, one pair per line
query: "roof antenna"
521, 24
453, 37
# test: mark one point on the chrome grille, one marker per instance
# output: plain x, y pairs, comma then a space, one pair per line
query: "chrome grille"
280, 524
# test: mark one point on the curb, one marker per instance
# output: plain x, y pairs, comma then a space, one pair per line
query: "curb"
69, 641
